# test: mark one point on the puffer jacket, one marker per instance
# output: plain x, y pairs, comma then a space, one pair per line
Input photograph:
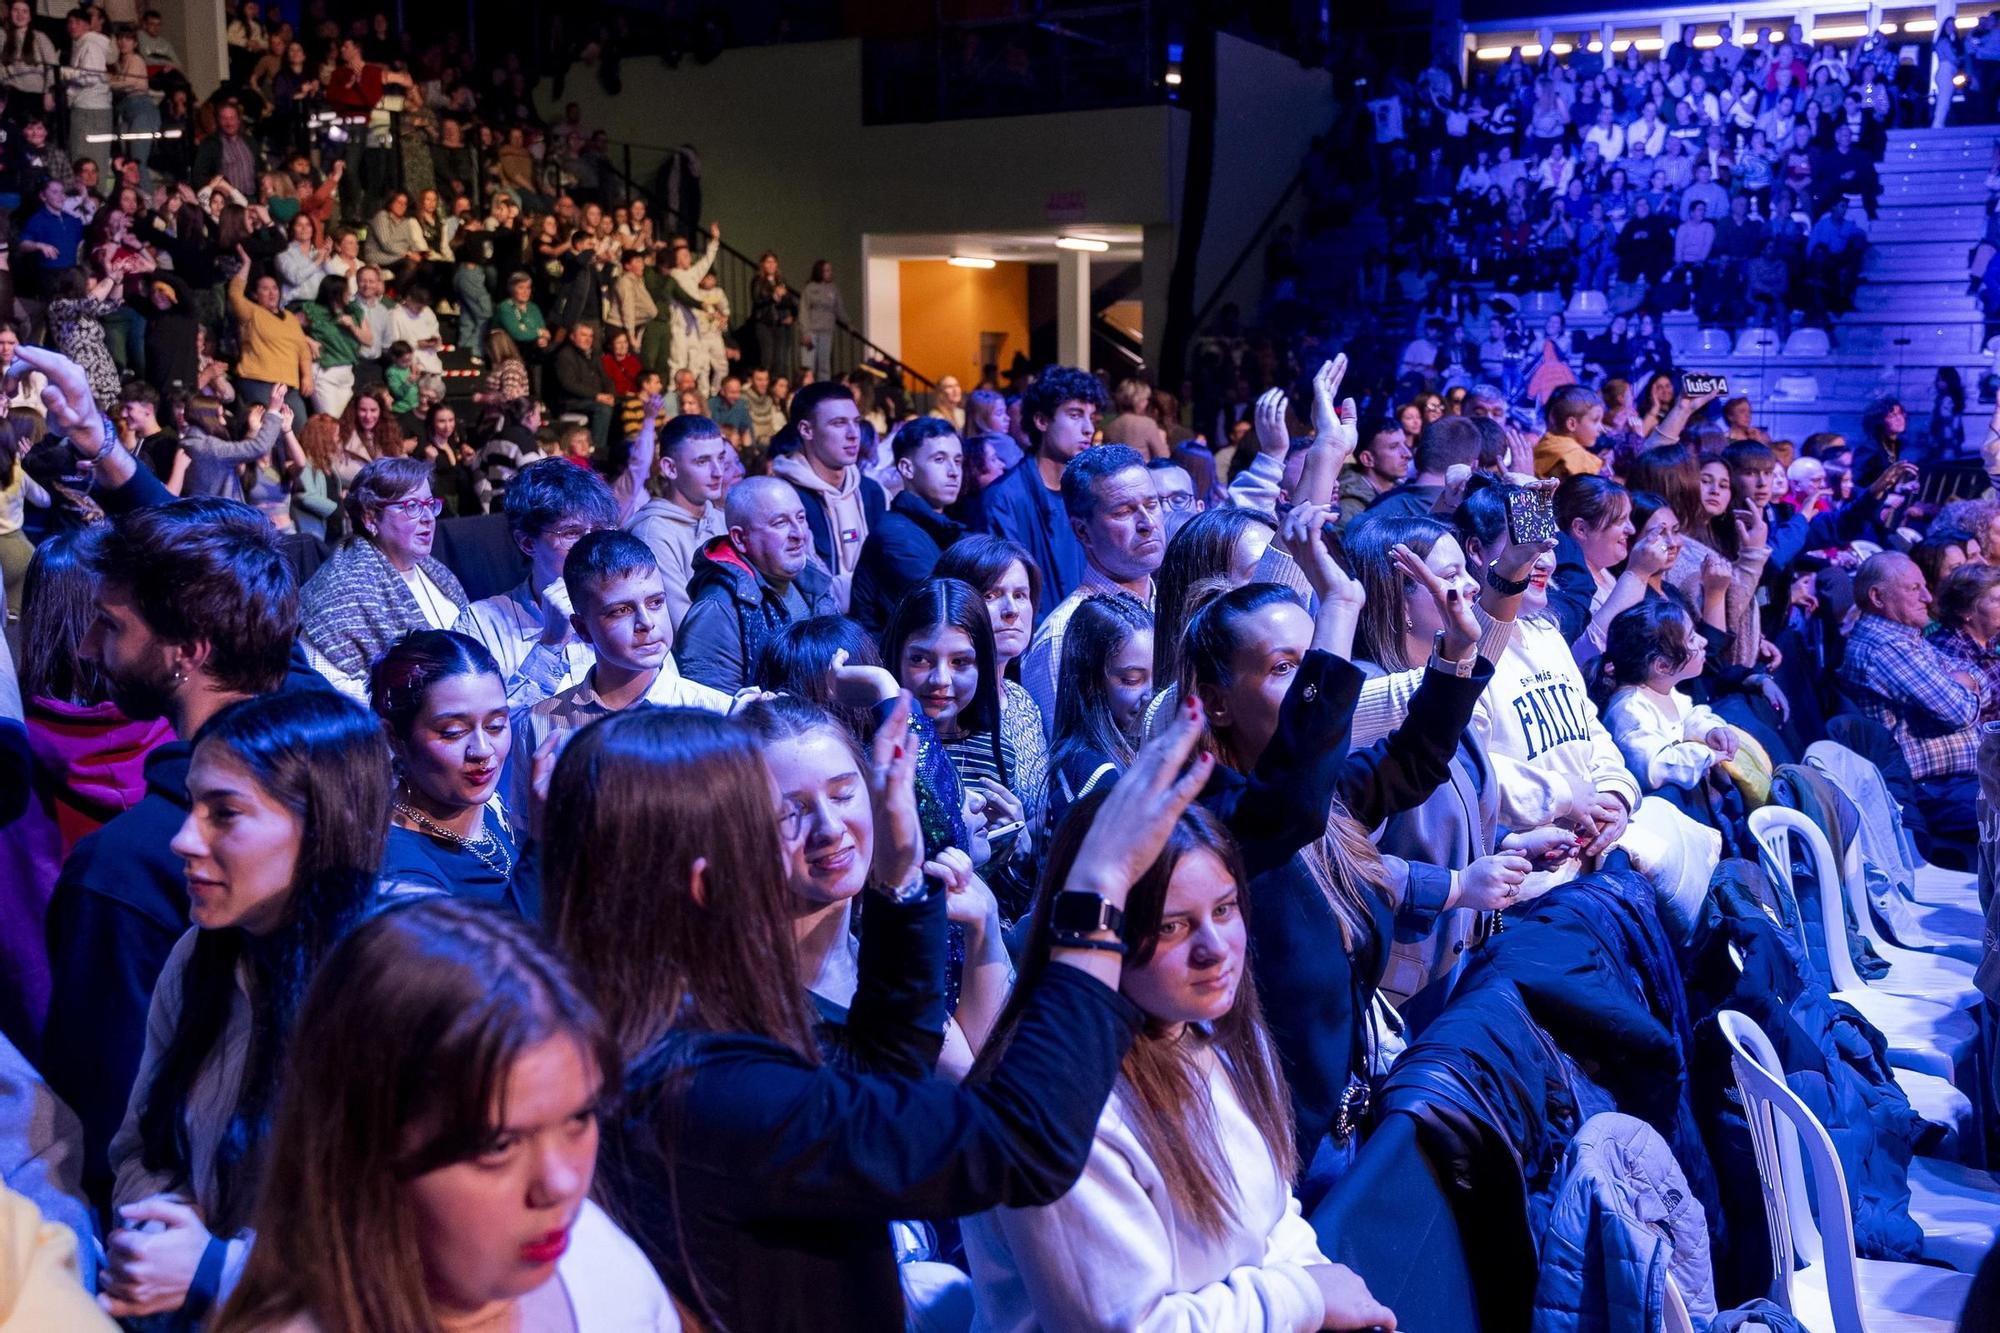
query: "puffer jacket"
1834, 1061
1623, 1224
732, 613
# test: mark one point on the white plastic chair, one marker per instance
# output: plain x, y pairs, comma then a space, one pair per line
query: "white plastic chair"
1796, 389
1588, 304
1757, 342
1713, 342
1927, 976
1921, 1034
1815, 1273
1808, 342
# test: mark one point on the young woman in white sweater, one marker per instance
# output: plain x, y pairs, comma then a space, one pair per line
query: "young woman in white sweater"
1184, 1218
433, 1159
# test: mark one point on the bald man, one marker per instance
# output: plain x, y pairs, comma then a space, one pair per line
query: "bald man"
1930, 705
749, 583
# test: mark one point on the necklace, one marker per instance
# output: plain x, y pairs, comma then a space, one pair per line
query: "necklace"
487, 849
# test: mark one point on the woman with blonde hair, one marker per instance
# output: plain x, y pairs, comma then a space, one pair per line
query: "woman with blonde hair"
1134, 425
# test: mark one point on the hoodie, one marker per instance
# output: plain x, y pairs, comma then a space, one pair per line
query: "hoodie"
87, 766
1560, 456
733, 612
840, 516
675, 536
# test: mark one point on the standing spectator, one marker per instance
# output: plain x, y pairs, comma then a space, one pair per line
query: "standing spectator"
908, 541
767, 414
628, 305
87, 88
821, 312
277, 360
1059, 413
750, 584
842, 504
582, 387
1132, 426
774, 315
27, 60
231, 153
729, 412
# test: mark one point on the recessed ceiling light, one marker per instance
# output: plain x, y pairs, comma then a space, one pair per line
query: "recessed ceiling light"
1082, 243
969, 261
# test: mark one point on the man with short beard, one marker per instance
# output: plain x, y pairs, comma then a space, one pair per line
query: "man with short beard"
196, 609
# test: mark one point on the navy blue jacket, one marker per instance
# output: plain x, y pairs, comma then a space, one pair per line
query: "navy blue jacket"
903, 547
1021, 509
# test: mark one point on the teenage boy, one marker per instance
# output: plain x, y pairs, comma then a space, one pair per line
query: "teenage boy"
684, 514
1575, 417
842, 503
620, 604
906, 546
1059, 413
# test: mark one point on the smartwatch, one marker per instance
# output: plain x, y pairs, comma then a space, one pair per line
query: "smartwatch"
1501, 584
1461, 668
1075, 917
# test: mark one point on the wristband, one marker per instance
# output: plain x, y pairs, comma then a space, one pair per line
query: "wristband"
1066, 941
915, 890
1501, 584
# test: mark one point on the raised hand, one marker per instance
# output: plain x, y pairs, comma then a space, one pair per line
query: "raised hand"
892, 791
1334, 428
1752, 529
1274, 437
1650, 555
1461, 628
1303, 539
71, 408
859, 686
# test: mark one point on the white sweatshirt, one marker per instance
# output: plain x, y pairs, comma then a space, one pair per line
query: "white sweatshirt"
1662, 736
1113, 1254
1536, 720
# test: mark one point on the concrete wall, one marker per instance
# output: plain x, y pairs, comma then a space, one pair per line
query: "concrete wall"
787, 164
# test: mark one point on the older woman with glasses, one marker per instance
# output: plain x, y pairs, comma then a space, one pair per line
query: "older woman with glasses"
383, 583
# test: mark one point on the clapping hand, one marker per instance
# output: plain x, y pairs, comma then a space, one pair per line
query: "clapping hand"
1136, 819
892, 791
1274, 437
1334, 428
71, 408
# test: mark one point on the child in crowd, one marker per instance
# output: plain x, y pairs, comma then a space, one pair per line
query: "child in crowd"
1575, 417
404, 380
1666, 738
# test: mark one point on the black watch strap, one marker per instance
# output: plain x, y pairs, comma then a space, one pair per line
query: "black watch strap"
1084, 914
1501, 584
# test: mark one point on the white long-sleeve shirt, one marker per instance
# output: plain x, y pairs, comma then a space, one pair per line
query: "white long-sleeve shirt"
1114, 1253
1662, 736
1539, 727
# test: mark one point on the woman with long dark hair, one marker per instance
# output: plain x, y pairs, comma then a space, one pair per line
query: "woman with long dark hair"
444, 707
1007, 578
939, 645
1185, 1214
758, 1174
289, 806
1279, 691
1107, 672
432, 1162
1719, 546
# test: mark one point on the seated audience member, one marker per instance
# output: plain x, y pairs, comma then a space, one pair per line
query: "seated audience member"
749, 583
1171, 1232
581, 386
1967, 611
440, 700
1058, 414
799, 660
1444, 444
904, 546
1004, 576
384, 582
41, 1161
842, 505
1107, 675
196, 610
1381, 464
289, 799
39, 1281
683, 514
550, 507
1667, 739
1115, 513
1929, 702
754, 1203
452, 1098
1575, 415
1179, 498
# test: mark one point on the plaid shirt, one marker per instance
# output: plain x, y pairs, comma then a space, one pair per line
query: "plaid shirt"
1905, 684
1982, 664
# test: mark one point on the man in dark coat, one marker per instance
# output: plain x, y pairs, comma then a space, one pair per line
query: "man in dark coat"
750, 584
905, 547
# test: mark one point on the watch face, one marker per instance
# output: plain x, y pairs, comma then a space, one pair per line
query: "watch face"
1080, 913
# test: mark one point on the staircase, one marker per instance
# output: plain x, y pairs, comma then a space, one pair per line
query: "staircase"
1912, 314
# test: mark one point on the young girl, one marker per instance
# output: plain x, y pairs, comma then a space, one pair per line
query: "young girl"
1107, 670
1006, 577
1185, 1215
431, 1166
284, 830
1666, 738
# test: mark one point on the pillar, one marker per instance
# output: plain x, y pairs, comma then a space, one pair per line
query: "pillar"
882, 302
1073, 308
195, 27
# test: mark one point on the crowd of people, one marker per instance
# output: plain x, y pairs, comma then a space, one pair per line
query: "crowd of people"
632, 847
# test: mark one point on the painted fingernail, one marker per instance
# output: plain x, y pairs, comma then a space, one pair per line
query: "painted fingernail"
899, 752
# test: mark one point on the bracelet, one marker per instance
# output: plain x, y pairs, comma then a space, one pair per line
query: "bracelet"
1086, 942
914, 891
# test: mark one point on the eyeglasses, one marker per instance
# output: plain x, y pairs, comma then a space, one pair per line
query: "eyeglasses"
791, 822
413, 509
1178, 501
567, 535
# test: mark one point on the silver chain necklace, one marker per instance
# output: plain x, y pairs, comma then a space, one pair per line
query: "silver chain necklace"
487, 849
